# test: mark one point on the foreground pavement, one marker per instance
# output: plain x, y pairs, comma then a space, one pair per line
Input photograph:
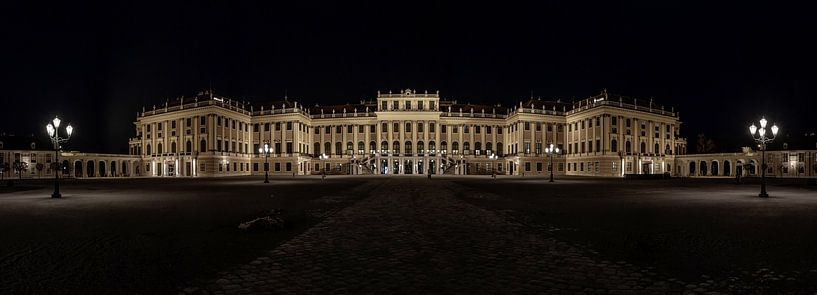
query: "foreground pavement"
414, 236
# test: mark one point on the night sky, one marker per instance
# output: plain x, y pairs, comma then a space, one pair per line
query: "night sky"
96, 65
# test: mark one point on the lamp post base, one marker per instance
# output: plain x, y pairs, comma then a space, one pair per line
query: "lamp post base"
763, 195
56, 195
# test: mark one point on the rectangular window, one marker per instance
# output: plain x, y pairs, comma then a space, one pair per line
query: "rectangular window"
372, 128
527, 166
527, 126
384, 127
277, 167
348, 129
289, 125
359, 128
477, 129
420, 105
487, 129
396, 127
383, 106
289, 166
539, 166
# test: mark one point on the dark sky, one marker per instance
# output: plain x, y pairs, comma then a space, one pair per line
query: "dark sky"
97, 64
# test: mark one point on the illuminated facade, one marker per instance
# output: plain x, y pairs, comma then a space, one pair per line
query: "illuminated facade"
407, 133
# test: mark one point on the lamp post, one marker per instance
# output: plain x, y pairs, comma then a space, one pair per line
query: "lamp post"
323, 158
759, 135
53, 129
265, 150
493, 158
550, 151
462, 165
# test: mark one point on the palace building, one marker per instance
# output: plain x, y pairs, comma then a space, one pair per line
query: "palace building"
407, 132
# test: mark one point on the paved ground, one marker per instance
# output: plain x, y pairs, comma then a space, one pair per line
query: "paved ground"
413, 236
410, 235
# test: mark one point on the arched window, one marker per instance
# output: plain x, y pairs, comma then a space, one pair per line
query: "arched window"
90, 169
372, 147
173, 147
327, 148
727, 168
499, 148
667, 150
317, 148
692, 168
203, 146
614, 146
396, 147
477, 147
421, 147
444, 147
148, 150
159, 148
408, 127
408, 147
384, 147
466, 148
361, 147
702, 169
714, 168
188, 146
432, 147
488, 148
349, 148
657, 149
338, 148
643, 149
455, 147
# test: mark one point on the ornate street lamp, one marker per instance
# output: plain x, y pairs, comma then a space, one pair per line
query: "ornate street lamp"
53, 129
550, 151
323, 158
493, 158
759, 135
265, 150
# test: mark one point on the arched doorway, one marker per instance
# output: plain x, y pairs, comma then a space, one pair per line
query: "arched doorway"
703, 168
102, 169
727, 168
113, 168
691, 168
714, 168
125, 166
77, 168
89, 167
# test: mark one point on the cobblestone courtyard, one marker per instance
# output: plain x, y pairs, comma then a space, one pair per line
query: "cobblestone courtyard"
411, 235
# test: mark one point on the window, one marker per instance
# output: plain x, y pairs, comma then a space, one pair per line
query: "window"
408, 127
420, 127
173, 124
614, 146
466, 129
359, 128
487, 129
289, 166
396, 127
442, 128
539, 166
383, 106
527, 166
326, 130
289, 125
348, 128
384, 127
527, 126
372, 128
